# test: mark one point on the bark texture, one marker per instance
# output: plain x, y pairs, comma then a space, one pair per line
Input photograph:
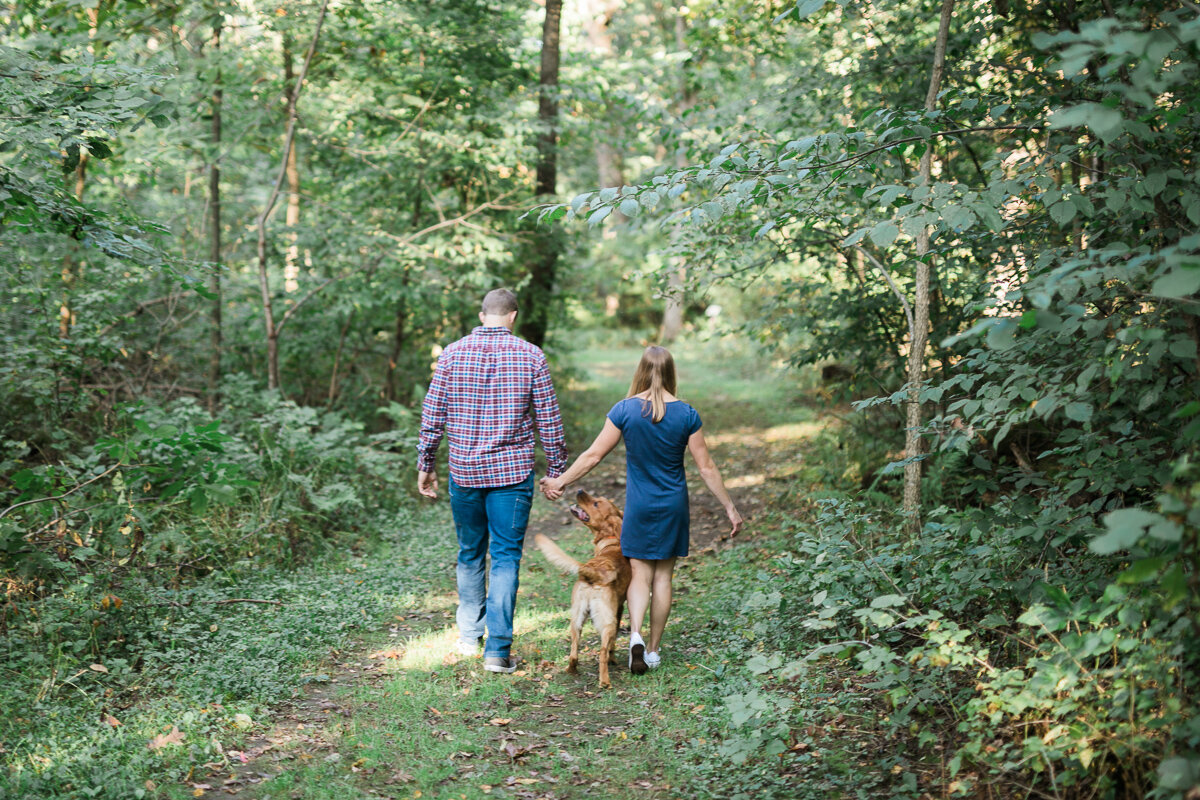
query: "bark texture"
919, 339
534, 319
214, 234
264, 282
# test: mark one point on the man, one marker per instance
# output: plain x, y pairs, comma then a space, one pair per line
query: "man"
483, 389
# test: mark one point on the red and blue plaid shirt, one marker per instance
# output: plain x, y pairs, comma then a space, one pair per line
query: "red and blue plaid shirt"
483, 389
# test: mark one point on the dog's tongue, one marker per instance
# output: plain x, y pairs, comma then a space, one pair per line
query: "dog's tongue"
580, 514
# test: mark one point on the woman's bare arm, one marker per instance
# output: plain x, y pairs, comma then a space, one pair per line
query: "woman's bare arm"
712, 478
610, 434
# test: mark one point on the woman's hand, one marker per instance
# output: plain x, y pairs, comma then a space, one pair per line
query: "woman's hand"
552, 488
734, 518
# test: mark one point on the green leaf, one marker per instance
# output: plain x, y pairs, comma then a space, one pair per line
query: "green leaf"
807, 8
630, 207
1063, 212
98, 148
598, 216
1000, 335
1107, 123
884, 233
1179, 774
1125, 527
1080, 412
887, 601
1154, 183
1182, 281
854, 238
1142, 570
819, 597
761, 664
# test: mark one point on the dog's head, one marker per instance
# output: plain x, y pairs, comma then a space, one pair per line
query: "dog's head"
599, 513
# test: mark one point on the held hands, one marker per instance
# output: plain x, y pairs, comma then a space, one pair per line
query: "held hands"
552, 488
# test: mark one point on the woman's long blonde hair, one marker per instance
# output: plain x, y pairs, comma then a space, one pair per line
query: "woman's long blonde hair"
655, 373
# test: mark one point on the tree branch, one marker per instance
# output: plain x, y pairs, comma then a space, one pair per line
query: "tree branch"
908, 312
288, 314
15, 506
138, 311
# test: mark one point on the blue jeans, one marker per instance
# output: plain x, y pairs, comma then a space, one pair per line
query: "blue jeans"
489, 521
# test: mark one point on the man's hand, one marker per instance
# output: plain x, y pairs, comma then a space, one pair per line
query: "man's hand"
427, 484
552, 488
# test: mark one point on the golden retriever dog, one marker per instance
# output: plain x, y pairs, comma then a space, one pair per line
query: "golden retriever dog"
599, 592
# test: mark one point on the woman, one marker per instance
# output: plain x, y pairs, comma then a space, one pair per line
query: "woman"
658, 427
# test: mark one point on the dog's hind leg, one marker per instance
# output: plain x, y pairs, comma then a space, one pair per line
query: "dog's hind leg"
573, 662
608, 638
579, 613
606, 625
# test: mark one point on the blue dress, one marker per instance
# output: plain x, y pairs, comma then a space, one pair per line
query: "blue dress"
656, 521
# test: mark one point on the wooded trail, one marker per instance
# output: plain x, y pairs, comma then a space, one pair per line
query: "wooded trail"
400, 715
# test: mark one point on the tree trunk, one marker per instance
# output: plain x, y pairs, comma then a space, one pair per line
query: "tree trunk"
672, 324
913, 444
337, 358
70, 264
597, 16
291, 262
538, 294
264, 281
214, 233
399, 340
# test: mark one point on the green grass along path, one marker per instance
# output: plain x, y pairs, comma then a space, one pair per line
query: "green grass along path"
400, 715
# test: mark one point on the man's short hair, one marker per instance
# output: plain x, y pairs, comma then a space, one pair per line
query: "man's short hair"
499, 302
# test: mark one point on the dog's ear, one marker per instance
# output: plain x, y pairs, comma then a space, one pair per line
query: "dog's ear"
614, 525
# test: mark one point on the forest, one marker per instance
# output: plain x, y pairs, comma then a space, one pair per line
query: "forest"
930, 270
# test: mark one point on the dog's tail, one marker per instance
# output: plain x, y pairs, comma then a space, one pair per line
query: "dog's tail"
555, 555
597, 575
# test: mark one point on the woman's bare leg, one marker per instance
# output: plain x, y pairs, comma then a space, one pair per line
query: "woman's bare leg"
638, 594
660, 603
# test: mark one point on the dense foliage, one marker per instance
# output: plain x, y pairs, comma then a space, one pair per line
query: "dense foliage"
1060, 386
784, 169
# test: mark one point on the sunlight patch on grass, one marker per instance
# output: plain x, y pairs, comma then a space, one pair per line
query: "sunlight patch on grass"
794, 431
743, 481
436, 648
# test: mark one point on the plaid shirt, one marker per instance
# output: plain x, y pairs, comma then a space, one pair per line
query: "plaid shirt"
480, 397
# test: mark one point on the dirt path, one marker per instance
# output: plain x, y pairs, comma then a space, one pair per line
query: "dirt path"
405, 717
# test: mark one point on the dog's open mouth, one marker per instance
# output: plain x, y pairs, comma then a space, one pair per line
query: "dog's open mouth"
580, 514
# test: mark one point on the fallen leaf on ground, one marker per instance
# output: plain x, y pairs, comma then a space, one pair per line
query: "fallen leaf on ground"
98, 668
164, 739
500, 721
389, 653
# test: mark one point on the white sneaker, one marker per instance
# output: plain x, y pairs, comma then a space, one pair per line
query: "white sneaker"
653, 660
637, 653
466, 648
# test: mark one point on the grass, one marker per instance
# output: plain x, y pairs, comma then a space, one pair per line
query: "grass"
286, 683
438, 726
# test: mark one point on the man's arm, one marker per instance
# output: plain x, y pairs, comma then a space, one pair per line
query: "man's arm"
549, 420
433, 425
